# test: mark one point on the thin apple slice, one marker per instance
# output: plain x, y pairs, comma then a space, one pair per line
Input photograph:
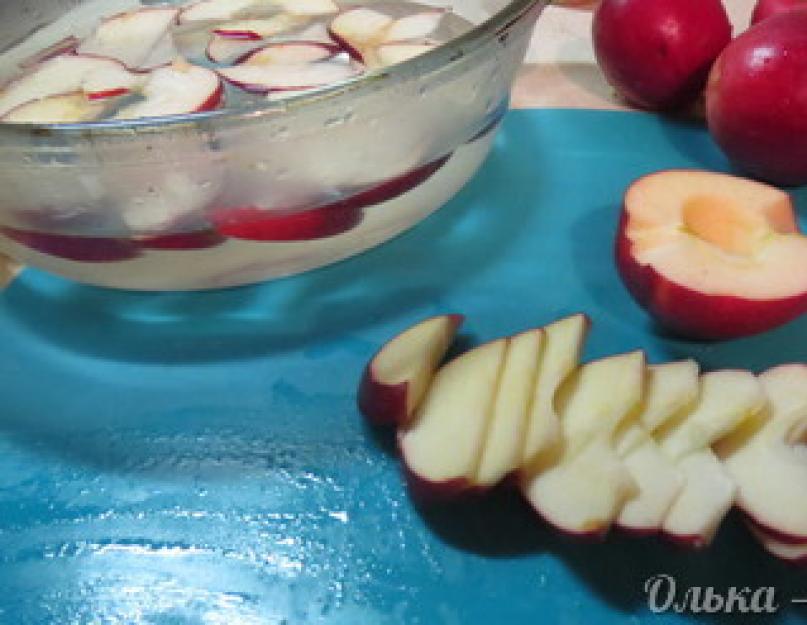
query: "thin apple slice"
706, 497
727, 400
582, 495
163, 53
67, 45
290, 53
794, 553
658, 482
94, 76
393, 53
225, 50
308, 7
66, 108
582, 488
359, 29
769, 459
442, 445
132, 37
215, 10
263, 78
501, 453
175, 90
397, 378
260, 28
90, 249
563, 347
416, 26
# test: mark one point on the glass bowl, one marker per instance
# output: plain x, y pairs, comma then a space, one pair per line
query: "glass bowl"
231, 197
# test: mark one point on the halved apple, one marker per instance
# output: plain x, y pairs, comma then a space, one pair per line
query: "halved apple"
397, 378
442, 445
768, 459
712, 256
582, 488
564, 340
133, 37
501, 453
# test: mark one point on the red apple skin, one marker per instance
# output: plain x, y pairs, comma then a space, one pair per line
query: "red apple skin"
696, 315
777, 535
201, 239
426, 491
385, 404
255, 224
756, 104
594, 536
658, 54
215, 100
768, 8
88, 249
693, 541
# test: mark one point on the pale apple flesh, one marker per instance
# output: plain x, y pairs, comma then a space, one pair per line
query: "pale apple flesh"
564, 341
397, 378
794, 553
503, 443
711, 255
583, 486
769, 459
442, 444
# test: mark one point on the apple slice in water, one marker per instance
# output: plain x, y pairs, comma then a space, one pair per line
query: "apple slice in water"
67, 45
399, 375
225, 50
768, 459
215, 10
177, 89
259, 28
290, 53
308, 7
89, 249
97, 77
132, 37
359, 29
393, 53
67, 108
415, 26
266, 77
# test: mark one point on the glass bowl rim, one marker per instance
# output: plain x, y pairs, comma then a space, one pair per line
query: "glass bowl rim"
421, 65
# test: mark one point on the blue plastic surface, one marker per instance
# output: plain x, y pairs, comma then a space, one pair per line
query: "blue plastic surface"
198, 458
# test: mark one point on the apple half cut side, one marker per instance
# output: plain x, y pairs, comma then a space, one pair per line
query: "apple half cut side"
442, 444
398, 376
712, 256
96, 77
393, 53
132, 37
581, 490
90, 249
787, 552
768, 459
563, 347
176, 89
327, 220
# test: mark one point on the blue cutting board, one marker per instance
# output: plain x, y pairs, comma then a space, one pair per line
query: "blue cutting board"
199, 459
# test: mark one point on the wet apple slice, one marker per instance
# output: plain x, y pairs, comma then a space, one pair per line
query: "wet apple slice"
267, 77
360, 29
415, 26
393, 53
132, 37
712, 256
90, 249
259, 28
197, 240
96, 77
58, 109
177, 89
226, 50
215, 10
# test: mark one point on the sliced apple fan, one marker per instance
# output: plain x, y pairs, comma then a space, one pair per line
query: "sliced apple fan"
652, 449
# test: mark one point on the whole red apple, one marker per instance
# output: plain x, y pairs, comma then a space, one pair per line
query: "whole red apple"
657, 53
756, 99
768, 8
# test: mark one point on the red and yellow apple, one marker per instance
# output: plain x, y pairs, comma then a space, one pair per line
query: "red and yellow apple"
712, 256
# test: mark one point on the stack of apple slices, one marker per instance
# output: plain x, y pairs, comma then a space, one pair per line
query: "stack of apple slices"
652, 449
